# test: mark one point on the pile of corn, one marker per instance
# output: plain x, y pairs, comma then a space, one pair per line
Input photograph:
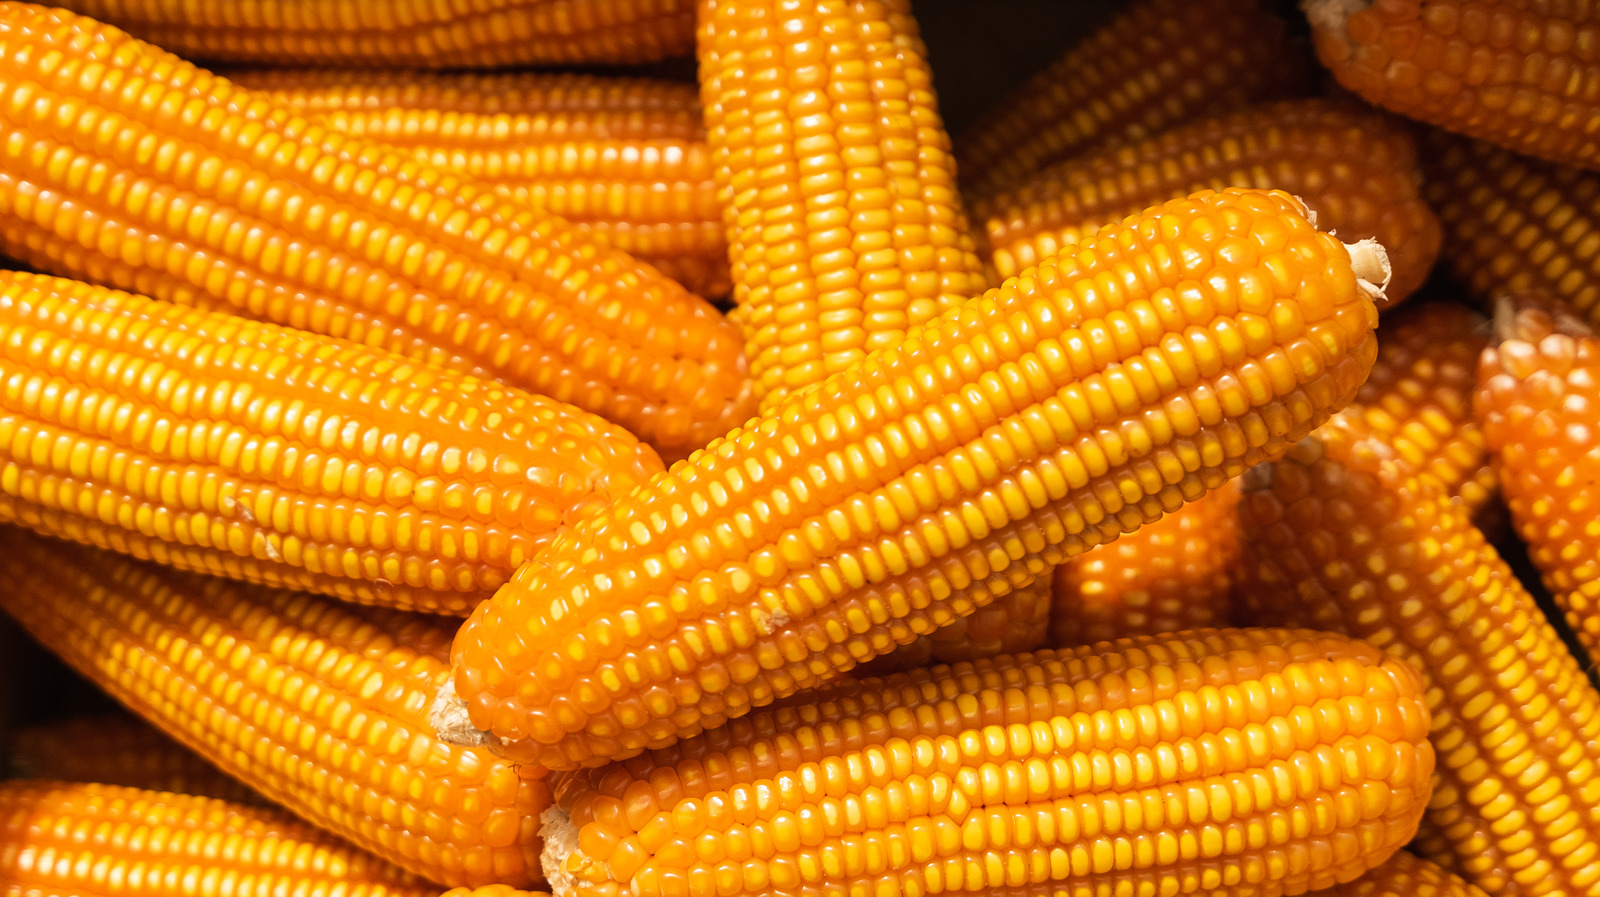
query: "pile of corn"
473, 476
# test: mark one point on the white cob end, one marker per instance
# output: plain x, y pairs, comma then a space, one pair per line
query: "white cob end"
450, 721
560, 841
1370, 262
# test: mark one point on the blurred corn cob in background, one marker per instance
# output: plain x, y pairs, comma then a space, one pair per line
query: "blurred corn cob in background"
623, 159
1024, 427
188, 190
119, 750
462, 34
1406, 875
324, 707
1154, 65
1356, 169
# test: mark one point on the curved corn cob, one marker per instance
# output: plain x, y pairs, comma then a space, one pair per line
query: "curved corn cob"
324, 707
507, 891
1537, 399
1173, 574
1342, 534
464, 34
1167, 354
1418, 398
132, 168
1406, 875
119, 750
1514, 224
1015, 622
620, 158
213, 443
1514, 72
839, 199
88, 840
1157, 64
1096, 771
1356, 169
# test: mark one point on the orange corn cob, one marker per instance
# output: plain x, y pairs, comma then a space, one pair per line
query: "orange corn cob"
1167, 354
119, 750
1176, 573
213, 443
1537, 399
838, 189
129, 167
1155, 65
620, 158
1014, 622
1356, 169
1419, 396
1406, 875
326, 708
1518, 73
1343, 534
468, 33
1113, 769
91, 840
507, 891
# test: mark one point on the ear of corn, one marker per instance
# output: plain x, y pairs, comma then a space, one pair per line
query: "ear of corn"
1342, 534
1015, 622
623, 159
119, 750
1155, 65
94, 840
1356, 169
1515, 73
491, 891
1418, 398
1165, 355
323, 707
466, 34
1173, 574
1537, 399
1097, 771
129, 167
213, 443
1407, 875
839, 199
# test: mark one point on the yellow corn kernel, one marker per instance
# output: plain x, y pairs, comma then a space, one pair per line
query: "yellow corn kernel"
1537, 398
326, 708
1516, 73
1167, 354
123, 165
1406, 875
1342, 534
94, 840
1356, 169
214, 443
458, 34
1010, 624
1201, 761
1155, 65
623, 159
507, 891
119, 750
1173, 574
840, 206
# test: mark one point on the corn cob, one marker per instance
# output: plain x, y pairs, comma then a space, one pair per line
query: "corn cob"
1514, 224
1418, 398
119, 750
1167, 354
1343, 534
1015, 622
1356, 169
213, 443
130, 167
1406, 875
620, 158
1114, 769
1537, 397
1517, 73
507, 891
1157, 64
838, 190
469, 34
92, 840
326, 708
1170, 575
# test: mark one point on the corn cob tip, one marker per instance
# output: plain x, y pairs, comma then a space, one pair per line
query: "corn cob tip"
448, 717
1531, 316
1369, 261
1330, 15
560, 836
